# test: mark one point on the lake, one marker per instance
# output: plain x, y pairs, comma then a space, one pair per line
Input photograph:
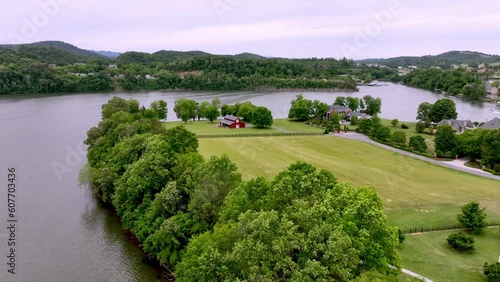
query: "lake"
62, 233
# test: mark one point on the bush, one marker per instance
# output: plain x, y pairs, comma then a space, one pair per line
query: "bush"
394, 122
420, 127
461, 242
496, 168
492, 271
404, 126
399, 138
417, 143
354, 120
401, 236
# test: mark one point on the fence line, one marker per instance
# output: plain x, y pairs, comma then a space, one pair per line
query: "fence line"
258, 134
441, 228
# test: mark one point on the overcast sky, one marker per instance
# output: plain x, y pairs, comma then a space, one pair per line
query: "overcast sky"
281, 28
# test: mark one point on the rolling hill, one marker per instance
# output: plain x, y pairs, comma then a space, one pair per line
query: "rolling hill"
443, 60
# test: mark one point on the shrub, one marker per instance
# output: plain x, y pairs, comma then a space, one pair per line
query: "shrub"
394, 122
461, 242
404, 126
399, 138
417, 143
492, 271
496, 168
354, 120
420, 127
401, 236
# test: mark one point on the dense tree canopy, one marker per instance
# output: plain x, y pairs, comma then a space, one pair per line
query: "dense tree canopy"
202, 219
443, 109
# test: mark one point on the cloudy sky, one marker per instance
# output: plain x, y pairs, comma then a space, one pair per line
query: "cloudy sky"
281, 28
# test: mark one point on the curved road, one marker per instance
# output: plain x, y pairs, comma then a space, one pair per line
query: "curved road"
366, 139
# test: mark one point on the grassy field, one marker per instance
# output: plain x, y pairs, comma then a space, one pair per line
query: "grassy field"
429, 255
296, 126
415, 193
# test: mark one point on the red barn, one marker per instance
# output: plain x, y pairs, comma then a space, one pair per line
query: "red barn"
231, 122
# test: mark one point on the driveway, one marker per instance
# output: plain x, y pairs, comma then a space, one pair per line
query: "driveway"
456, 165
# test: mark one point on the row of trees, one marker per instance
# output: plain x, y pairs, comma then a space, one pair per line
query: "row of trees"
187, 109
368, 104
199, 217
454, 82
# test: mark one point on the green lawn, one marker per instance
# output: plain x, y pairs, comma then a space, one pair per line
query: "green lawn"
296, 126
415, 193
206, 128
428, 254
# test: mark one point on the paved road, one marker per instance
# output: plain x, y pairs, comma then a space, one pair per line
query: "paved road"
413, 274
364, 138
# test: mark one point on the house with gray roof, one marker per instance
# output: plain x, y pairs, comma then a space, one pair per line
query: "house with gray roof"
341, 110
458, 125
492, 124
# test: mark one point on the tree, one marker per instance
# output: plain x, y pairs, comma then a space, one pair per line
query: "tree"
381, 132
365, 125
373, 105
202, 109
420, 127
160, 107
423, 111
301, 108
417, 143
262, 117
212, 113
185, 109
471, 142
472, 217
323, 230
475, 91
399, 138
490, 149
212, 181
335, 119
224, 110
319, 109
354, 120
353, 103
368, 78
246, 111
394, 122
216, 102
340, 100
443, 109
445, 139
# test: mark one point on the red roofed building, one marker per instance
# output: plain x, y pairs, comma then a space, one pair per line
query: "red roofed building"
231, 122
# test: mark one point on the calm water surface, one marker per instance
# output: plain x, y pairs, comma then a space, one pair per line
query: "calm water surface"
62, 233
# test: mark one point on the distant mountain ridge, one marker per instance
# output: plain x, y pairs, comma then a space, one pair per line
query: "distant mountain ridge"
109, 54
444, 59
53, 44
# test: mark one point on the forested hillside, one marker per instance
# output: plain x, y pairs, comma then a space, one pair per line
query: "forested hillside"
50, 67
445, 60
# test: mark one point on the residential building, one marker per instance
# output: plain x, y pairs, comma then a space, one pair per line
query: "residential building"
230, 121
459, 126
492, 124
